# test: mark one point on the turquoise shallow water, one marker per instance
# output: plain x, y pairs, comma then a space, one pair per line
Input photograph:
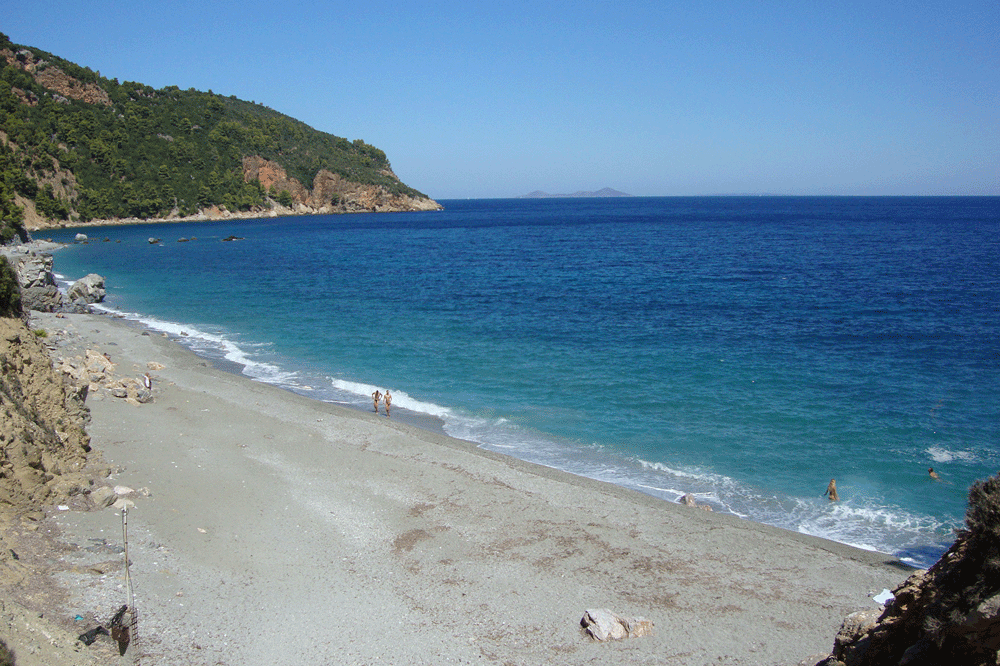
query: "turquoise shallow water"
743, 349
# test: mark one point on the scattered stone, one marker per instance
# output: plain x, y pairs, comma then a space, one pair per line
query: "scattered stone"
688, 500
605, 625
81, 237
103, 497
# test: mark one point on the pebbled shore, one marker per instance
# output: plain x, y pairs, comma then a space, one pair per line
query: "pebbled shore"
273, 528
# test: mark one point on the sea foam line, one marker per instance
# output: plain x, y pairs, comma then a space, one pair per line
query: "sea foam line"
210, 344
874, 528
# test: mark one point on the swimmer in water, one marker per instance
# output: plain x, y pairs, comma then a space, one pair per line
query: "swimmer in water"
934, 475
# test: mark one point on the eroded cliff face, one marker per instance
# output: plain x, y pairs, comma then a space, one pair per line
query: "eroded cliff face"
53, 78
43, 441
330, 193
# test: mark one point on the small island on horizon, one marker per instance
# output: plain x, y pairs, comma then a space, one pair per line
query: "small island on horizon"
606, 192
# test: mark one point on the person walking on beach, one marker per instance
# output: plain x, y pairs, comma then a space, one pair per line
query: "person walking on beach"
388, 402
831, 491
376, 397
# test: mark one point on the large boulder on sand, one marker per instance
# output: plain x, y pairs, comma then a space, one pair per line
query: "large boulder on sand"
603, 624
89, 289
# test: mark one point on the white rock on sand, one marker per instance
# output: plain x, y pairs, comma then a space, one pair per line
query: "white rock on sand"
283, 530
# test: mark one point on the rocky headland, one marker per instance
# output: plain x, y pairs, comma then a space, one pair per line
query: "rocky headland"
125, 153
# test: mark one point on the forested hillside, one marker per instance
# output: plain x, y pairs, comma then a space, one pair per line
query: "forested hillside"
80, 146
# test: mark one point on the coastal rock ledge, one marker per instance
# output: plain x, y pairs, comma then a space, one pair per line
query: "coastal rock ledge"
948, 614
331, 193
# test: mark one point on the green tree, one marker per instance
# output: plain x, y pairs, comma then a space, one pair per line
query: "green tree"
10, 291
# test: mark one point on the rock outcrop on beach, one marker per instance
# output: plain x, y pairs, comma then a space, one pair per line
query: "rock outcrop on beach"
38, 284
39, 292
86, 290
948, 614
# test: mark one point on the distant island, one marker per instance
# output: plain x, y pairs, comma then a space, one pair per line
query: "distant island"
606, 192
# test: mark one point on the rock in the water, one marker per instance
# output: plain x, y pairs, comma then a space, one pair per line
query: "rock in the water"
81, 237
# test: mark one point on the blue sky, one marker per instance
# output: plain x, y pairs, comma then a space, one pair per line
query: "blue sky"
498, 99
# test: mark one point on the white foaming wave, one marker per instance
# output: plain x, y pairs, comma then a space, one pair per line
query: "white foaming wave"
212, 344
941, 455
400, 399
708, 477
869, 526
876, 528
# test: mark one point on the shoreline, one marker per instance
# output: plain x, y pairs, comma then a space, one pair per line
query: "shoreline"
220, 214
372, 539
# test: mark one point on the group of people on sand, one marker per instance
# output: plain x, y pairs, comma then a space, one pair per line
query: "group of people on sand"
378, 397
831, 489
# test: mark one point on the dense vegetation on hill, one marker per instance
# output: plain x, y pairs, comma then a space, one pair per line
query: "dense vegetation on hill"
127, 150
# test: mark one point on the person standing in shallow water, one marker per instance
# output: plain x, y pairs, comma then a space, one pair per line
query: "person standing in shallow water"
388, 401
831, 491
376, 398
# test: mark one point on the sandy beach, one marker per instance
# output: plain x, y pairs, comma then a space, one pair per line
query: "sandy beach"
270, 528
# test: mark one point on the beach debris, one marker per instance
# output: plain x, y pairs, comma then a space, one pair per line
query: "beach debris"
884, 597
603, 624
88, 637
125, 624
121, 628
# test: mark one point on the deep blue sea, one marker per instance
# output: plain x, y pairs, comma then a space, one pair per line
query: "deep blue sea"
744, 349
